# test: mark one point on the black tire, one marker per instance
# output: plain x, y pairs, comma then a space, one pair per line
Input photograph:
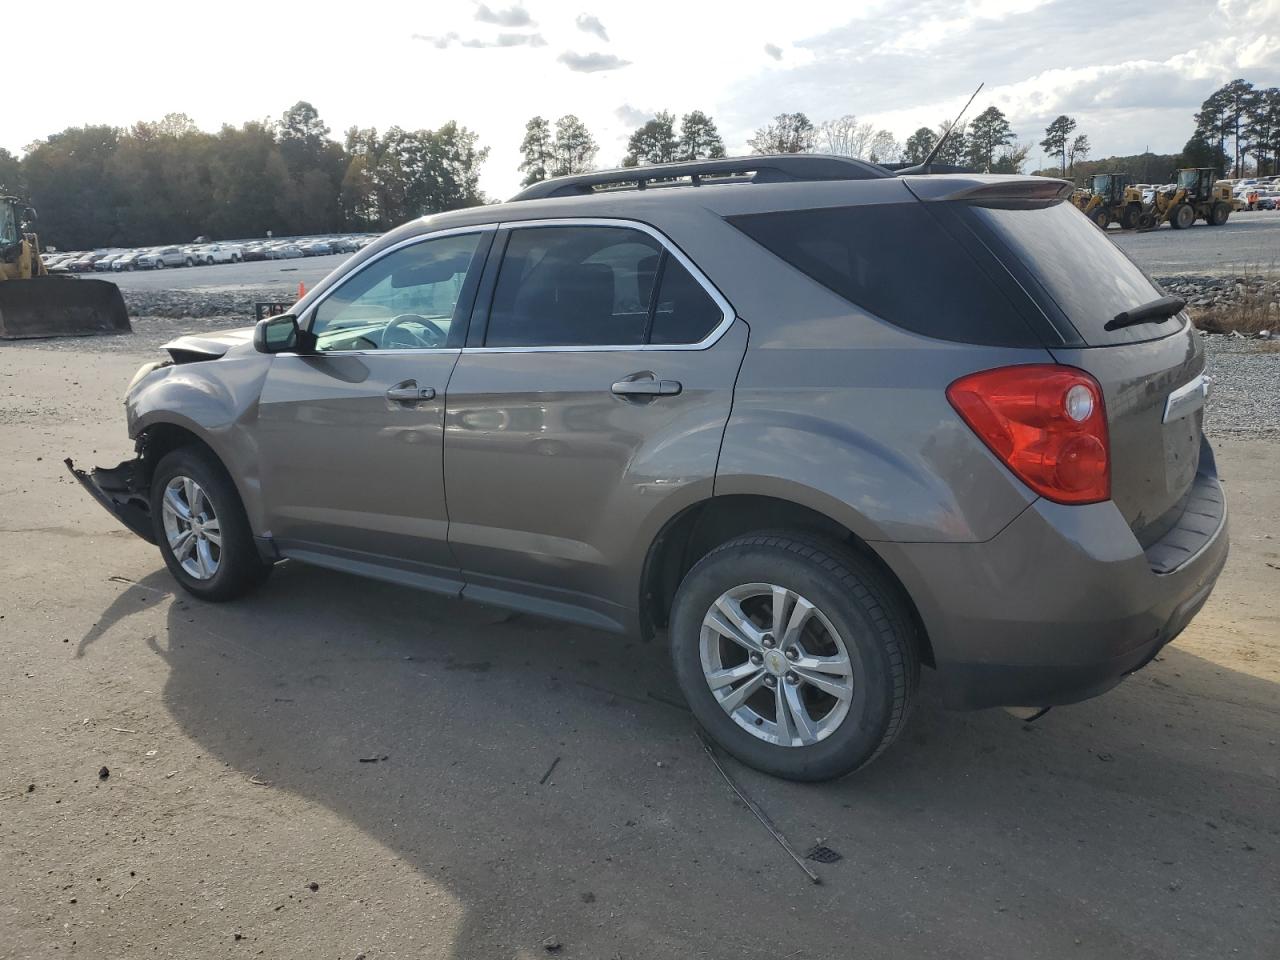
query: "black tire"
1219, 214
1131, 216
871, 618
240, 568
159, 264
1102, 217
1182, 216
190, 262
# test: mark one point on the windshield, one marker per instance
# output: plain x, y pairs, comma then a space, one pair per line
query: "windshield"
1188, 178
1102, 183
8, 225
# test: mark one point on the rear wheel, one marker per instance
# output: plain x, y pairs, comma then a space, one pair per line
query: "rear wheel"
201, 527
1183, 216
159, 264
1219, 214
794, 655
1131, 217
190, 262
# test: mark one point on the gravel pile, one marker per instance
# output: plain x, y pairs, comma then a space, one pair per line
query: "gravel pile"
1215, 299
231, 302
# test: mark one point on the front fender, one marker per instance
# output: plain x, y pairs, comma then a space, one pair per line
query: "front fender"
217, 402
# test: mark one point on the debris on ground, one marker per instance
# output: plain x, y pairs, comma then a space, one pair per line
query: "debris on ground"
104, 773
546, 776
755, 809
313, 886
821, 853
551, 945
380, 757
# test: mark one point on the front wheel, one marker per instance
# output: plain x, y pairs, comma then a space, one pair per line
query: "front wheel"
159, 264
1131, 216
1101, 217
201, 527
190, 262
1183, 216
794, 654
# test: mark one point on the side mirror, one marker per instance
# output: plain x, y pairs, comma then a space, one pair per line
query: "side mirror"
277, 334
29, 215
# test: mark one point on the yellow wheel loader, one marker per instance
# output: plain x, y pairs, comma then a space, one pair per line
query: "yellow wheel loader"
1197, 195
35, 303
1111, 198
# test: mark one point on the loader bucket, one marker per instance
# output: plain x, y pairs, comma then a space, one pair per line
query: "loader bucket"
57, 307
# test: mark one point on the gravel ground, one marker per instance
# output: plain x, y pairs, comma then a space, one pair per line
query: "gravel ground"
1249, 241
1245, 399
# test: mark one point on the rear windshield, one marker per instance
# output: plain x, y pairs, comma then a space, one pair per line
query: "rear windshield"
897, 262
1080, 272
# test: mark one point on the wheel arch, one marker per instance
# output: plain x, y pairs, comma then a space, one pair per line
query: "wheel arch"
701, 527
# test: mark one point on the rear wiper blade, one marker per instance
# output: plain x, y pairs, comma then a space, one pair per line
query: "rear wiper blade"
1157, 311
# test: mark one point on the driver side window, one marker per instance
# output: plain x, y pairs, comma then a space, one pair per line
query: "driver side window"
405, 301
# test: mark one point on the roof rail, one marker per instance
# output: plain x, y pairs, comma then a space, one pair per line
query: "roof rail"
773, 168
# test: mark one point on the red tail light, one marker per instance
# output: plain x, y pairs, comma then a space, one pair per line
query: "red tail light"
1046, 422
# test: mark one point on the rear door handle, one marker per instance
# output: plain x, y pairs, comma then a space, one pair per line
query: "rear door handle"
410, 392
647, 387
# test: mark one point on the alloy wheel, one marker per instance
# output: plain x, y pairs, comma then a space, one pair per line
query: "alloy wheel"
191, 526
776, 665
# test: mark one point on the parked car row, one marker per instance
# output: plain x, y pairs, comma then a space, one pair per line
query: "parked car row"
1257, 193
200, 254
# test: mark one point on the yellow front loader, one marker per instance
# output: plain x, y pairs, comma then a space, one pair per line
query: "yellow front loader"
1197, 195
1110, 198
35, 303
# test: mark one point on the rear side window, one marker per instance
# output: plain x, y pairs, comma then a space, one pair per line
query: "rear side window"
574, 286
595, 286
1082, 272
896, 261
683, 312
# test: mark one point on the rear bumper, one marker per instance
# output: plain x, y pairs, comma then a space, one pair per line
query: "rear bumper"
122, 493
1059, 606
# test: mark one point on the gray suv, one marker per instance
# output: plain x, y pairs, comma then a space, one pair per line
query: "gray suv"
818, 422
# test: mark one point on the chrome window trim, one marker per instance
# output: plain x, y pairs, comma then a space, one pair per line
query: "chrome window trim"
309, 315
726, 309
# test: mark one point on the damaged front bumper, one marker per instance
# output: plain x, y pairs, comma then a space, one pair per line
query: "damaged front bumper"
122, 491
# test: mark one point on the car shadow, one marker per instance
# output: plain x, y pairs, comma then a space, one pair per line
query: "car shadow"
560, 788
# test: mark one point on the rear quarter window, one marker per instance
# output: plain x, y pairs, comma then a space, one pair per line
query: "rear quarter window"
896, 261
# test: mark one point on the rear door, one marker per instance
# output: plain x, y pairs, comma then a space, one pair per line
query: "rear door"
589, 409
1151, 373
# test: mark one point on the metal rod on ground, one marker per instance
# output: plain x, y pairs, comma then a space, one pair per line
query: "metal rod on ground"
754, 808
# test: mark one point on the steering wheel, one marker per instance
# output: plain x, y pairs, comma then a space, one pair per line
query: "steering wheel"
437, 337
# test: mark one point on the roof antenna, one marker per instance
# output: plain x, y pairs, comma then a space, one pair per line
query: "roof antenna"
923, 167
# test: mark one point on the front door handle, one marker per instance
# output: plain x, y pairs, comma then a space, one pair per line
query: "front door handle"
647, 387
410, 392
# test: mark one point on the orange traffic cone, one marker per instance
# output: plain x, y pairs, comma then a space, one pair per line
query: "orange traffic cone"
302, 290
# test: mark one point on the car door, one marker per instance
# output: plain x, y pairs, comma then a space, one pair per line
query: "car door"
351, 434
588, 411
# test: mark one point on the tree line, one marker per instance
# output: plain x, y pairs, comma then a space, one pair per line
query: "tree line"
157, 182
163, 181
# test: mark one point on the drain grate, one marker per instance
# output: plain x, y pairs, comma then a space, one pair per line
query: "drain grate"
821, 854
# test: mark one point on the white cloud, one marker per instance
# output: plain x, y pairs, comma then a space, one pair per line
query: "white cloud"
592, 62
1132, 75
515, 16
589, 24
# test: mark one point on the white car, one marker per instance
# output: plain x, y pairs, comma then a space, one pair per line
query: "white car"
211, 253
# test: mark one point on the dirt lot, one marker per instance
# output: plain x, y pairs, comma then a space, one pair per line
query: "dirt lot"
1145, 824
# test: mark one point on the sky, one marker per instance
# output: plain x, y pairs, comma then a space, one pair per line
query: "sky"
1131, 73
